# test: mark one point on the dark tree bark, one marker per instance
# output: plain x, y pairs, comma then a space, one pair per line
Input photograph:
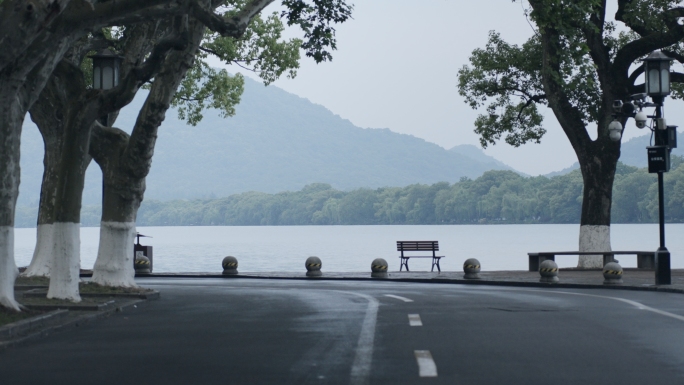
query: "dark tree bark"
80, 111
126, 161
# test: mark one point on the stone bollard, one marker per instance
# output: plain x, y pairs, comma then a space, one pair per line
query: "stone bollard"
142, 264
548, 271
313, 267
379, 268
612, 272
471, 268
230, 265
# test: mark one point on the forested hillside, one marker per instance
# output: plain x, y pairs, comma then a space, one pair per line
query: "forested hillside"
495, 197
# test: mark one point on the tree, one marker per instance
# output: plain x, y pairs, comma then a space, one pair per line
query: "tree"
27, 61
126, 160
34, 37
577, 64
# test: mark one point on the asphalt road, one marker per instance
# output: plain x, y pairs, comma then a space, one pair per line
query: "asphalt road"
245, 331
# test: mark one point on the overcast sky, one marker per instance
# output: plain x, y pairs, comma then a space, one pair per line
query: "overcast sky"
396, 67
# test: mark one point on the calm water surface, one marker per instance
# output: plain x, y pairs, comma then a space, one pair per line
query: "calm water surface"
352, 248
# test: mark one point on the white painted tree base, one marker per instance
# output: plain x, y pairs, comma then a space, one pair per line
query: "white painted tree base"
593, 238
114, 264
66, 262
42, 255
8, 268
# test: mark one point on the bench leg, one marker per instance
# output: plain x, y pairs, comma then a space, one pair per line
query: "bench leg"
404, 263
435, 262
533, 262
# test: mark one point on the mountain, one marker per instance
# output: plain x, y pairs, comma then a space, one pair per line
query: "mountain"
475, 153
564, 171
276, 142
632, 153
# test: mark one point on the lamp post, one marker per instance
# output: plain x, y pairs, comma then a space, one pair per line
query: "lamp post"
657, 86
105, 73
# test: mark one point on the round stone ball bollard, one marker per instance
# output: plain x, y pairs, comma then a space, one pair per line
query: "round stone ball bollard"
142, 264
548, 271
230, 265
612, 273
313, 267
379, 268
471, 268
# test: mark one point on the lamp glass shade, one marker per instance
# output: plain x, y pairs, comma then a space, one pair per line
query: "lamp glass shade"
665, 80
107, 78
653, 82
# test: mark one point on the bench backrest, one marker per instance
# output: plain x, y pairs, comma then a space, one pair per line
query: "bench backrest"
417, 246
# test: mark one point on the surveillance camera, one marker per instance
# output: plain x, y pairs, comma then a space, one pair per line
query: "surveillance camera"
615, 131
617, 105
640, 118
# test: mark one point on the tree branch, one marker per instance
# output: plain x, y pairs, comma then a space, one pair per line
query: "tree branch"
674, 55
568, 116
649, 42
535, 99
121, 95
233, 26
620, 16
21, 23
676, 77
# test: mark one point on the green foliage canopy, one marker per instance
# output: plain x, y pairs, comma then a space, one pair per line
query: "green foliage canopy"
495, 197
576, 62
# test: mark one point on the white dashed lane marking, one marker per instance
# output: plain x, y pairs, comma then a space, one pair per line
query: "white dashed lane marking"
398, 297
414, 320
426, 365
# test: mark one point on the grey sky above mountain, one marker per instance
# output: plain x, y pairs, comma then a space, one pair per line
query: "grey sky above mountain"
396, 67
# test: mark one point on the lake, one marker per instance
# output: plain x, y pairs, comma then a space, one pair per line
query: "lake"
352, 248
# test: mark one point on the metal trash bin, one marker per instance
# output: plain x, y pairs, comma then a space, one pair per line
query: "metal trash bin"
145, 250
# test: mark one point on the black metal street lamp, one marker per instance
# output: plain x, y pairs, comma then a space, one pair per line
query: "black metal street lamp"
657, 86
105, 73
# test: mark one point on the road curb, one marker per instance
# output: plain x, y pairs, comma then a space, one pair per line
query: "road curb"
483, 282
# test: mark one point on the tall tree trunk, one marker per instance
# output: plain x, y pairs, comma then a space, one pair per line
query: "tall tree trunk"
20, 85
126, 161
48, 114
11, 120
71, 168
122, 195
597, 158
598, 173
